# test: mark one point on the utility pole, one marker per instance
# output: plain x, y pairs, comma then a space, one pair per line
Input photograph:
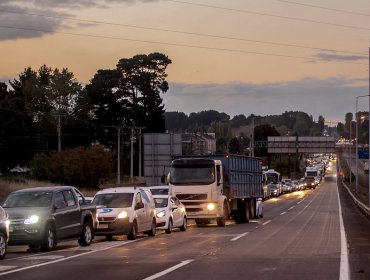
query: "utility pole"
132, 156
119, 155
59, 131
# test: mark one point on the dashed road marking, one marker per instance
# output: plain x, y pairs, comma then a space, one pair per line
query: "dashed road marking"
168, 270
265, 223
282, 213
239, 236
291, 208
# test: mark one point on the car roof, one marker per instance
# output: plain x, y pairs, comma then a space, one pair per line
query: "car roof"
132, 189
48, 188
159, 187
160, 196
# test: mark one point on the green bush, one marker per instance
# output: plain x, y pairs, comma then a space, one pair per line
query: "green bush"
80, 167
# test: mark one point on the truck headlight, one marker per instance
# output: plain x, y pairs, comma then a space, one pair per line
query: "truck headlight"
122, 215
161, 214
32, 220
211, 206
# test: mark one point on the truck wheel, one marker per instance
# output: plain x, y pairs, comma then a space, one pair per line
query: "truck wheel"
221, 222
2, 245
184, 224
49, 241
169, 229
133, 234
252, 209
86, 235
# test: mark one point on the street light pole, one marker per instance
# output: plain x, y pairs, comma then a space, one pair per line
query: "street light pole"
357, 97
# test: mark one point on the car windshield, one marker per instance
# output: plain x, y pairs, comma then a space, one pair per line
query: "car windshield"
192, 175
114, 200
29, 199
272, 178
163, 191
161, 202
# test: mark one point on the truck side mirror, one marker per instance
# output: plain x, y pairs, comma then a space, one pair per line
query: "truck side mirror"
163, 178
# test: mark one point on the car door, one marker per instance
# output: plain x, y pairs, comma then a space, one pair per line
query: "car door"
140, 211
148, 206
72, 215
59, 214
177, 212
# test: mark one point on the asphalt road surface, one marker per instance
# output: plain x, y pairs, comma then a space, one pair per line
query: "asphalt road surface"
298, 238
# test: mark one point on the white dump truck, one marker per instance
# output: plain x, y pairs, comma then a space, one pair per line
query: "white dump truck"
217, 187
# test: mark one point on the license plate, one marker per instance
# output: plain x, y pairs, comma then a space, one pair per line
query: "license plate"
102, 225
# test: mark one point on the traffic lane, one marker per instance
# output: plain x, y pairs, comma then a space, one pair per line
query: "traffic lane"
134, 260
357, 228
304, 243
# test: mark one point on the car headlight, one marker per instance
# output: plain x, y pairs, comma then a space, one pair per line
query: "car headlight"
211, 206
161, 214
122, 215
32, 220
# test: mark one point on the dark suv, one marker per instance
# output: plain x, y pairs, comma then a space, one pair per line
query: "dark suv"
43, 216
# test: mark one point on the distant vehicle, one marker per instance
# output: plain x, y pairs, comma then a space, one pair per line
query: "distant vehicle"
4, 232
310, 182
366, 167
274, 190
271, 177
171, 213
42, 216
125, 210
89, 199
286, 186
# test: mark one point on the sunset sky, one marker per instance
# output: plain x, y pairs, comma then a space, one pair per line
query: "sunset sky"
238, 56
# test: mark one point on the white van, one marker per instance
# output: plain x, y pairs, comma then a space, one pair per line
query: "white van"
125, 210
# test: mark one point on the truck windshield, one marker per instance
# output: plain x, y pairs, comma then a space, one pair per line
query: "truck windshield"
272, 178
188, 175
113, 200
29, 199
311, 173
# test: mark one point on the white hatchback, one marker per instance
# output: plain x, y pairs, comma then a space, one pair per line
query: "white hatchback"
171, 213
125, 210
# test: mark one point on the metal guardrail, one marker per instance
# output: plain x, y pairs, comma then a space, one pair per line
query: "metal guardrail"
363, 208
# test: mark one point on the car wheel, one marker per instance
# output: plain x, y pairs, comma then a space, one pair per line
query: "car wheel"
184, 224
170, 225
2, 245
86, 235
49, 241
153, 228
133, 234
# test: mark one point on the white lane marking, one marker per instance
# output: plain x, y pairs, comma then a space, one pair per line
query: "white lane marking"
239, 236
291, 208
282, 213
67, 258
344, 264
168, 270
265, 223
300, 201
47, 257
6, 267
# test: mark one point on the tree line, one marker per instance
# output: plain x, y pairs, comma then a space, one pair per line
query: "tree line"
48, 109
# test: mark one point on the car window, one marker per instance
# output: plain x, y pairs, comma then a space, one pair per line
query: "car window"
29, 199
70, 199
160, 202
60, 200
138, 199
113, 200
163, 191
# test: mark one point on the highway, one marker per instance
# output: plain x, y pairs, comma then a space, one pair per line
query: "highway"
298, 238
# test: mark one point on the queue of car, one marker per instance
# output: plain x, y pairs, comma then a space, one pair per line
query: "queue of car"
43, 216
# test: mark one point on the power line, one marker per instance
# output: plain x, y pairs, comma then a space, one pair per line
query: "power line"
184, 32
176, 44
325, 8
269, 15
